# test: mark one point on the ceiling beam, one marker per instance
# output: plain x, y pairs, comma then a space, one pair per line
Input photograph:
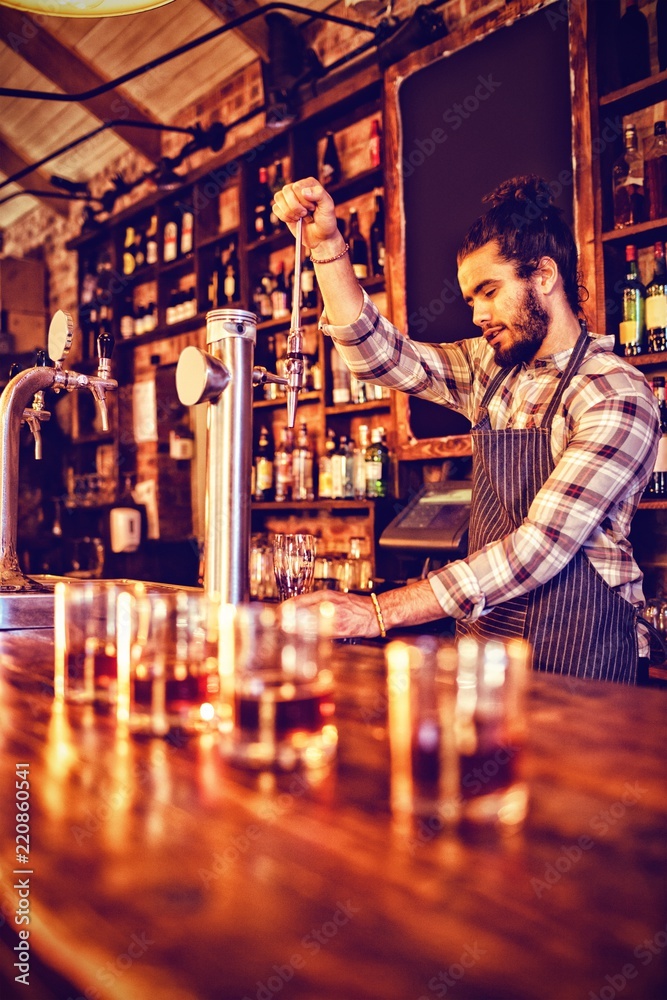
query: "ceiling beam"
254, 33
30, 40
11, 162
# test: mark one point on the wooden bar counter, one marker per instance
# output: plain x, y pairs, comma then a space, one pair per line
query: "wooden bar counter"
156, 872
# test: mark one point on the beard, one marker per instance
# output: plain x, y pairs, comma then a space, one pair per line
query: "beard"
531, 325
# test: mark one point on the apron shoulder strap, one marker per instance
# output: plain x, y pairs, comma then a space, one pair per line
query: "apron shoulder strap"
577, 356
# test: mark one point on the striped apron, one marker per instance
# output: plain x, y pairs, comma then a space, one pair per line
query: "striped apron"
575, 622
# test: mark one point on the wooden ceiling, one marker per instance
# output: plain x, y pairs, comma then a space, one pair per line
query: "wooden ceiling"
62, 55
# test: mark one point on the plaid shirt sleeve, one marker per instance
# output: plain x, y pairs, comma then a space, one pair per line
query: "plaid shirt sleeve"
375, 351
607, 462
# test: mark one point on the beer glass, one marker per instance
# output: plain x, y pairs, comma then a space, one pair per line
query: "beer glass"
293, 563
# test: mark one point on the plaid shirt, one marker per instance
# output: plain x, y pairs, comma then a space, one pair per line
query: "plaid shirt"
604, 442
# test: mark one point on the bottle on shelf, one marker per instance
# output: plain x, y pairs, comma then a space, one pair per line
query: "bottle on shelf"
633, 297
375, 144
170, 311
263, 468
342, 487
325, 467
262, 300
127, 320
150, 318
657, 487
628, 183
151, 241
282, 466
340, 375
655, 172
656, 303
230, 284
330, 172
357, 390
634, 62
129, 260
308, 286
262, 209
377, 466
139, 321
661, 27
170, 237
277, 184
358, 247
279, 305
377, 237
359, 464
187, 232
302, 467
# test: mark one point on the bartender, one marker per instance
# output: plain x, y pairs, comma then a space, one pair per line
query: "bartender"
564, 432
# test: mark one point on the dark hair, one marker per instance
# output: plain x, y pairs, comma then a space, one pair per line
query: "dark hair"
527, 227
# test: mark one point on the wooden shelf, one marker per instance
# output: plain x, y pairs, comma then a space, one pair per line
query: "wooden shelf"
622, 235
638, 95
648, 360
653, 504
292, 505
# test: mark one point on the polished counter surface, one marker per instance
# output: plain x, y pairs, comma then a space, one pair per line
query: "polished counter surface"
159, 873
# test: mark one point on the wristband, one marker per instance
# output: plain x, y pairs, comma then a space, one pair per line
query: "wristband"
379, 616
328, 260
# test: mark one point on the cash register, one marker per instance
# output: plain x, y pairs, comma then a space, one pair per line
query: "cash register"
434, 521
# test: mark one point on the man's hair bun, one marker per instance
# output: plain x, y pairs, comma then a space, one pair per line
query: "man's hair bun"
516, 192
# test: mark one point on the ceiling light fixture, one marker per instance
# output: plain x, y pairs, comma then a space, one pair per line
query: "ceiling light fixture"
84, 8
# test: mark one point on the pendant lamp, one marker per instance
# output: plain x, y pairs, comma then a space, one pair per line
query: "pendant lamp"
84, 8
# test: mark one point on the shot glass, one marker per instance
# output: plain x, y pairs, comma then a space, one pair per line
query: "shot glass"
490, 730
421, 687
294, 563
280, 687
169, 662
86, 640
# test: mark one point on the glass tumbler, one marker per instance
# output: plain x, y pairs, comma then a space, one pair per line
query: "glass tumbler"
294, 563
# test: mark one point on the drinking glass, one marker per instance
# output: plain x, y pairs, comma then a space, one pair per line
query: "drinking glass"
278, 683
293, 563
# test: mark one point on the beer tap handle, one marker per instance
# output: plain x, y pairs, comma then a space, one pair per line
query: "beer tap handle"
294, 360
14, 369
105, 344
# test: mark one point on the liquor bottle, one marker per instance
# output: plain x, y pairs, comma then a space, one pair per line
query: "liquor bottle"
151, 241
127, 320
358, 247
277, 184
216, 282
230, 284
375, 144
261, 299
139, 249
634, 61
262, 210
325, 467
656, 303
658, 483
282, 466
139, 321
187, 232
661, 25
169, 315
263, 466
655, 172
338, 469
308, 287
129, 262
150, 318
628, 183
377, 466
330, 172
359, 464
302, 467
377, 237
170, 242
631, 328
279, 294
340, 375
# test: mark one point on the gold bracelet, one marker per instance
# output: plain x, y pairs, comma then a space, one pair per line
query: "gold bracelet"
379, 616
328, 260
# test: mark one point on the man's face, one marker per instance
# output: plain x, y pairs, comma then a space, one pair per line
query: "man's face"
506, 308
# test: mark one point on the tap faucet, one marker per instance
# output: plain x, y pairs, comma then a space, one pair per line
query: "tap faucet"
13, 409
36, 415
224, 376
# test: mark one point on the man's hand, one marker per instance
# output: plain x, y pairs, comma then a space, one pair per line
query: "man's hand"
354, 616
308, 200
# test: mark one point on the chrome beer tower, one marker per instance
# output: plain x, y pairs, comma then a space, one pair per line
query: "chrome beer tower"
224, 376
13, 410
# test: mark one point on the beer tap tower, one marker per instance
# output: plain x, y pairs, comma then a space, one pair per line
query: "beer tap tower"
224, 376
16, 611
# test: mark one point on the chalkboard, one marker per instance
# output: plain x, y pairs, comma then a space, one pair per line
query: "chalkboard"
497, 108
